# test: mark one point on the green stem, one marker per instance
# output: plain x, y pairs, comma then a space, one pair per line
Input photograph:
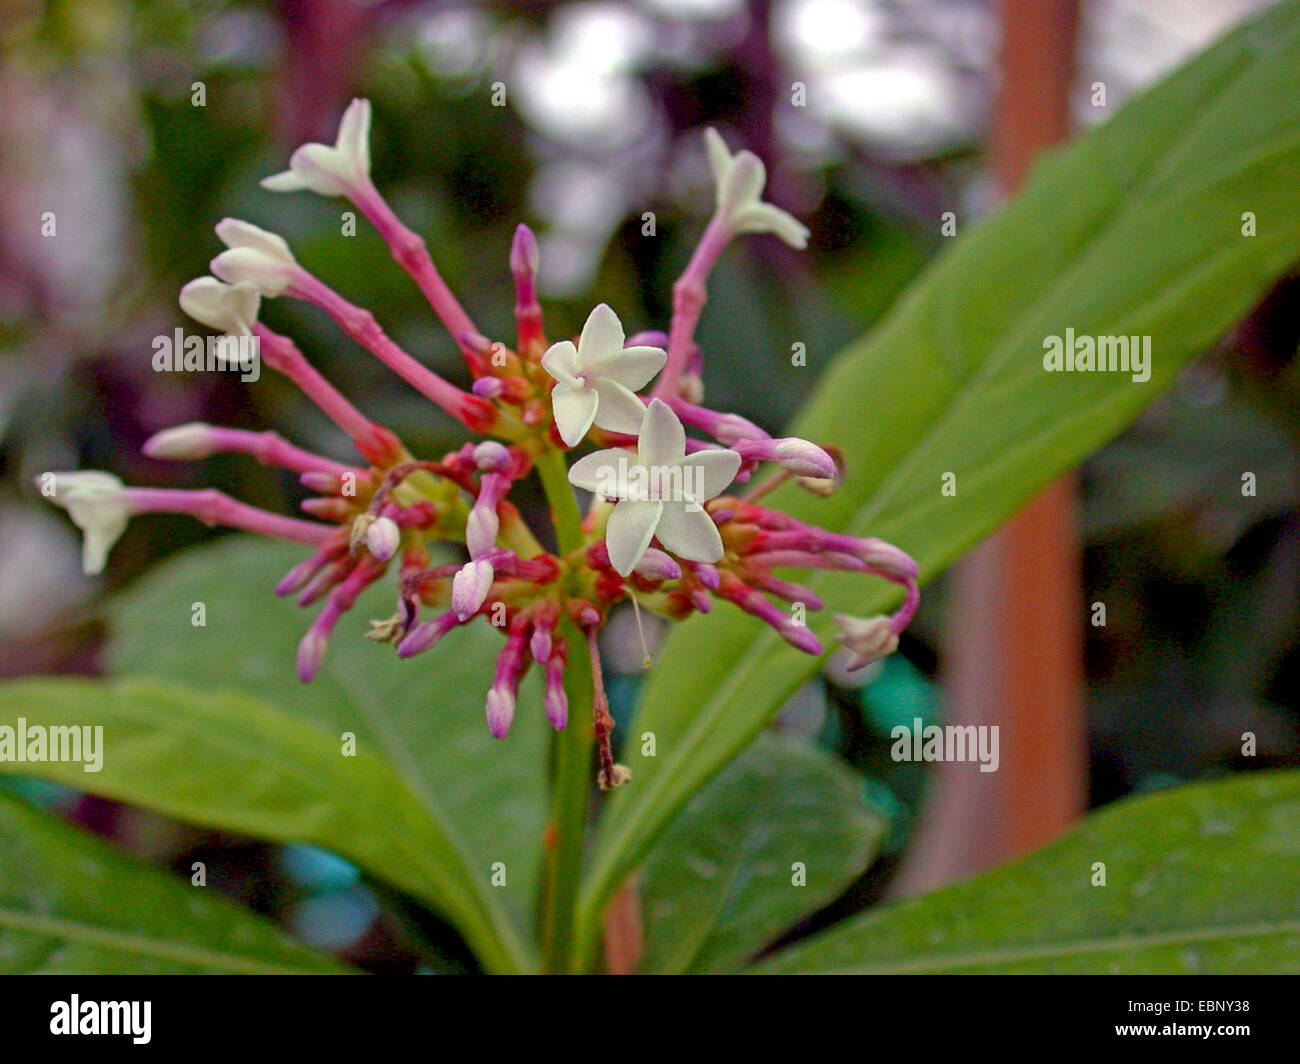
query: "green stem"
571, 781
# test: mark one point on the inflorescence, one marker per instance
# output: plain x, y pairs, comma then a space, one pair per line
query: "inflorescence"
663, 528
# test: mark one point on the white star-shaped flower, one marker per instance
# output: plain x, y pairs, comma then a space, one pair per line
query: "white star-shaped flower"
331, 171
597, 378
660, 491
739, 180
228, 308
97, 504
262, 259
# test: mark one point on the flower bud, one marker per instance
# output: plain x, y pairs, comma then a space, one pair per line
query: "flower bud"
383, 539
182, 443
255, 256
228, 308
524, 258
866, 638
489, 455
481, 530
656, 565
500, 711
311, 652
803, 458
556, 701
708, 575
470, 587
488, 387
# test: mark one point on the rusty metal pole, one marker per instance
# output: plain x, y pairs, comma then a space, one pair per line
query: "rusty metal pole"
1014, 654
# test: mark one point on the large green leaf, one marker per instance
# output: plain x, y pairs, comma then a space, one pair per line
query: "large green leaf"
225, 760
71, 904
1198, 879
1134, 229
424, 716
723, 882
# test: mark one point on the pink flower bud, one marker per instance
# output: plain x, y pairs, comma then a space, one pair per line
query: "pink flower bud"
470, 587
801, 637
491, 456
488, 387
425, 636
481, 531
803, 458
541, 643
708, 575
656, 565
524, 258
311, 652
556, 701
318, 481
732, 428
383, 538
500, 711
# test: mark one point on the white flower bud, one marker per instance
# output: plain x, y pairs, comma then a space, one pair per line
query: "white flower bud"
260, 258
183, 443
225, 307
97, 504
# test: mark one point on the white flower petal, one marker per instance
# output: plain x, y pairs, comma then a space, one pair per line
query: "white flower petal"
631, 367
284, 181
690, 534
619, 409
235, 233
719, 156
593, 471
561, 362
318, 167
602, 335
353, 142
764, 218
744, 182
663, 440
720, 468
628, 534
575, 409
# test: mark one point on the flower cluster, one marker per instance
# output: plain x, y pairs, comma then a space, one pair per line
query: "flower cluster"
664, 528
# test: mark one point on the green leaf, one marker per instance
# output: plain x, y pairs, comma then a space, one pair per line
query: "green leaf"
424, 715
1134, 229
1198, 879
71, 904
227, 761
720, 884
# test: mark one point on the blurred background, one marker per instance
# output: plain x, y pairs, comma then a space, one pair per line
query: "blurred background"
605, 103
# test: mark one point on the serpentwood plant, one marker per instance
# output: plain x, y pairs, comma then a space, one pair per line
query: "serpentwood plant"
1135, 229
